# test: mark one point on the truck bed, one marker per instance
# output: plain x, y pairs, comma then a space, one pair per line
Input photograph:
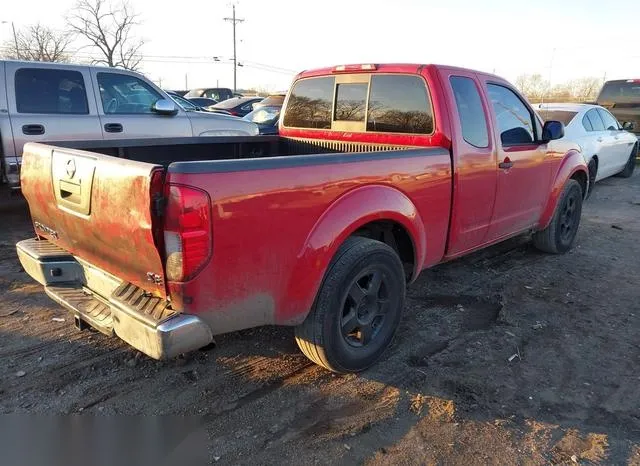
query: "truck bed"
163, 151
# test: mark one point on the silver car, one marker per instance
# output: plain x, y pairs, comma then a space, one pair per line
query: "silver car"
60, 102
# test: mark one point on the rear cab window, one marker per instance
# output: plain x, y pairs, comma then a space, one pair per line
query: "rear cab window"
50, 91
626, 91
375, 103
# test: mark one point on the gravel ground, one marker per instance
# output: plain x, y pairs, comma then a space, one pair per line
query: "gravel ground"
508, 356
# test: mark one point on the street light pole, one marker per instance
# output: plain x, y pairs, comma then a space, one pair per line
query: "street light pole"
15, 37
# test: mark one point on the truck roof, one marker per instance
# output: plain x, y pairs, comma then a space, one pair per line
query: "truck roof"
413, 68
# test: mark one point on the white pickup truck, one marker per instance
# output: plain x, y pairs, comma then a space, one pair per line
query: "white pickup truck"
42, 102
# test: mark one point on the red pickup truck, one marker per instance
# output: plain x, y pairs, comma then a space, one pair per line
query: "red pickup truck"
379, 172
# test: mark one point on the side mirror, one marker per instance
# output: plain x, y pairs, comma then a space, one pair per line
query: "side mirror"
552, 130
164, 107
628, 126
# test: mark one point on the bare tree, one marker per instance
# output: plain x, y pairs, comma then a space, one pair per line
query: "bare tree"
38, 43
533, 86
109, 29
585, 89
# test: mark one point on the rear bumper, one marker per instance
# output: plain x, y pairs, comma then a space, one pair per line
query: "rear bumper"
101, 300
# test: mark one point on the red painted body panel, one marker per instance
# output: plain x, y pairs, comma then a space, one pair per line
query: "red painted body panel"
568, 163
120, 225
275, 231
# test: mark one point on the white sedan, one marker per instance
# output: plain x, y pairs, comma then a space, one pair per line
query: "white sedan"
607, 147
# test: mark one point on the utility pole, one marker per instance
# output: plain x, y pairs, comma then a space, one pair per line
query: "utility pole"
15, 38
234, 21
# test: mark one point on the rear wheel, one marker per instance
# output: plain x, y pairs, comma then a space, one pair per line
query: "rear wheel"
628, 169
560, 235
593, 172
357, 309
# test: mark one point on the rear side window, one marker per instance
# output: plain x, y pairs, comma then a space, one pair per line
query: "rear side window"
310, 104
595, 120
610, 123
399, 104
41, 90
472, 117
514, 119
587, 123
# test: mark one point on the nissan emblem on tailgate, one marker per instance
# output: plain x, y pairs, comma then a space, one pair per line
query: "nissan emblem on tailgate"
71, 168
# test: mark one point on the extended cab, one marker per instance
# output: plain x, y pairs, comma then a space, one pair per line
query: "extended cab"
57, 101
379, 172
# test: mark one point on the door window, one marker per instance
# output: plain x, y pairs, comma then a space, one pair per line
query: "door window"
514, 119
44, 90
595, 120
124, 94
610, 123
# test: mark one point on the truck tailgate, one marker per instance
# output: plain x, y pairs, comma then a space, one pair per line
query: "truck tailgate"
98, 208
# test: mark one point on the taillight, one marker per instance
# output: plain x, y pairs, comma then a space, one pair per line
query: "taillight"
187, 232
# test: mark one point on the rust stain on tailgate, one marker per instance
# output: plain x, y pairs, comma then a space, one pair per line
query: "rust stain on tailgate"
96, 207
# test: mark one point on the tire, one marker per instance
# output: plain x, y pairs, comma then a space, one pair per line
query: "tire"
593, 172
628, 169
560, 235
358, 307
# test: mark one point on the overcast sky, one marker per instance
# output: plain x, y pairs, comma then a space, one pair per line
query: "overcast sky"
561, 39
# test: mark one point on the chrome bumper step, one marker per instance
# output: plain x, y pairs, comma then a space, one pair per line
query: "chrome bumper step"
84, 306
146, 322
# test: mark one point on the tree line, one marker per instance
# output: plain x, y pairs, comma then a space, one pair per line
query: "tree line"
537, 89
103, 28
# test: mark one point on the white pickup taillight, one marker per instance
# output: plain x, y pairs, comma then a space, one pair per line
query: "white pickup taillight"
187, 232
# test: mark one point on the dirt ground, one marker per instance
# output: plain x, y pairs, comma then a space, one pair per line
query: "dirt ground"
508, 356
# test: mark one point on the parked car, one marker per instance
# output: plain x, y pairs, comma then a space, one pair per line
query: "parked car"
622, 98
54, 101
216, 93
266, 118
379, 172
266, 114
202, 102
181, 93
272, 100
237, 106
208, 105
607, 147
186, 104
